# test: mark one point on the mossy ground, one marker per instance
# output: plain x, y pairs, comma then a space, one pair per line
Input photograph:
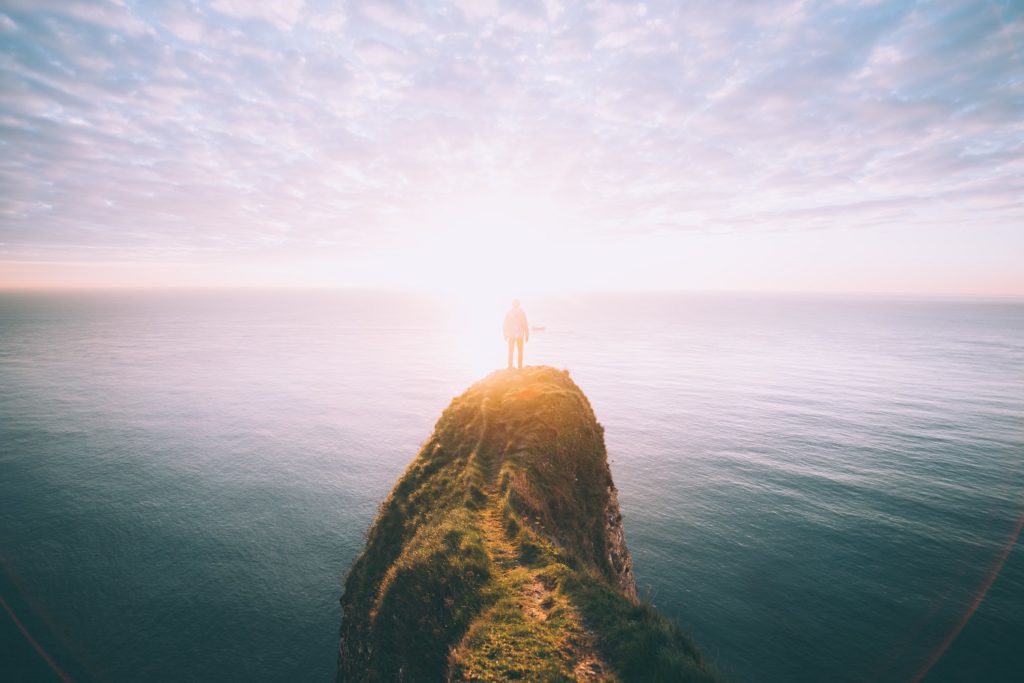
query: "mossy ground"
490, 559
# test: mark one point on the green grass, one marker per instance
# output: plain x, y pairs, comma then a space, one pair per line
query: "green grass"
490, 558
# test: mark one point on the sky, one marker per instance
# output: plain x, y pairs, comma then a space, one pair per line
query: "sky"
535, 146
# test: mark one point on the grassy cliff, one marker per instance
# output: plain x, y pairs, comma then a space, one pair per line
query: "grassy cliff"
499, 554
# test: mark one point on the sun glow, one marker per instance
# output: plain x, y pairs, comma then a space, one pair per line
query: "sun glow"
479, 253
476, 331
497, 238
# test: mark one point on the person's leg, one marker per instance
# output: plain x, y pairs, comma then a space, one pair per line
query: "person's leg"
519, 343
511, 343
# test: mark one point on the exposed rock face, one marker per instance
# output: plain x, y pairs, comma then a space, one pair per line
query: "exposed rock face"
618, 554
500, 554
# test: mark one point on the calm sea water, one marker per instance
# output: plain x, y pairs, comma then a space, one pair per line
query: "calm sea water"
816, 489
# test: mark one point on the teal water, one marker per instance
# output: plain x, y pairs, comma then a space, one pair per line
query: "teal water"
816, 489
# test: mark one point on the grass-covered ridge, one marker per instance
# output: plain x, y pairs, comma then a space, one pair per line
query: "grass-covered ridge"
499, 554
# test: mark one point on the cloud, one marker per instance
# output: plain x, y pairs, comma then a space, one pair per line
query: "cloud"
391, 15
237, 127
284, 14
477, 10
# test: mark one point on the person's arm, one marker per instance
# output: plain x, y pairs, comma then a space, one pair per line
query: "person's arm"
526, 328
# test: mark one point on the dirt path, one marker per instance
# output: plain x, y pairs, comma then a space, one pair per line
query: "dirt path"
538, 601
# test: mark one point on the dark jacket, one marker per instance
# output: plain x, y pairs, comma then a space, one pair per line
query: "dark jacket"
516, 325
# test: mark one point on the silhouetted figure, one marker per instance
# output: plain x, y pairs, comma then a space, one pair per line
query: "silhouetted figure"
517, 331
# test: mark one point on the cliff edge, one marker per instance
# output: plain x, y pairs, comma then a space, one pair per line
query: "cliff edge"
500, 554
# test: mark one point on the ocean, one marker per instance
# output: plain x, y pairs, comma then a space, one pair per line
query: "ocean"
815, 488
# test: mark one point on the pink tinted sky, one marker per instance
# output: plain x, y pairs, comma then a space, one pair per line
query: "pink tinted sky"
775, 146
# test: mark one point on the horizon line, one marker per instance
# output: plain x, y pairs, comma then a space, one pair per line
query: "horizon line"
429, 293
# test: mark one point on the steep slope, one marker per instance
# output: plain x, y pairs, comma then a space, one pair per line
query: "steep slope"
500, 554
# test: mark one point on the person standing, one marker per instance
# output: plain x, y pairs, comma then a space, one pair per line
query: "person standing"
517, 331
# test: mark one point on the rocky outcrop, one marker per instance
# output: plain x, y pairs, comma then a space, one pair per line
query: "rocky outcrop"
500, 554
618, 554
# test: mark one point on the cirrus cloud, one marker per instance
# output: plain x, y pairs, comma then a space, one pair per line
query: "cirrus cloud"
296, 127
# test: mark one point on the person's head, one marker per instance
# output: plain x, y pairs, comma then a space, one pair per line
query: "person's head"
515, 303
